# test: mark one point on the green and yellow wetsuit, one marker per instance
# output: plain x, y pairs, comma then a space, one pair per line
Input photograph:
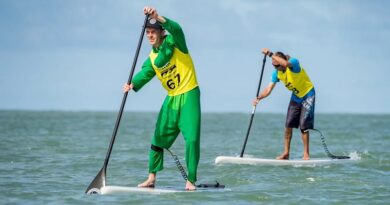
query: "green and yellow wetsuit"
180, 112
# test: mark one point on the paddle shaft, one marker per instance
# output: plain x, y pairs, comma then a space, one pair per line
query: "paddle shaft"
253, 109
118, 119
99, 180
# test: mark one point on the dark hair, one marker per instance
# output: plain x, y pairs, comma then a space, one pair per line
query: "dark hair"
281, 54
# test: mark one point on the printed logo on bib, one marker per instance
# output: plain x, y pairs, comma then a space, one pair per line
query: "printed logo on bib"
290, 87
170, 75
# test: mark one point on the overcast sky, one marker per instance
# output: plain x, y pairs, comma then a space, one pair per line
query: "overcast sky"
75, 55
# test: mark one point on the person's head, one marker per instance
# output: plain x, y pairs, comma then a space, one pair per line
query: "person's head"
276, 64
154, 32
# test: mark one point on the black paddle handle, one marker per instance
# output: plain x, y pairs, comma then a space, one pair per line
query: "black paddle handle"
118, 119
254, 108
261, 76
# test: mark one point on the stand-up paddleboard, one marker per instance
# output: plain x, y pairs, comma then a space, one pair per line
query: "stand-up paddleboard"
294, 162
124, 190
157, 190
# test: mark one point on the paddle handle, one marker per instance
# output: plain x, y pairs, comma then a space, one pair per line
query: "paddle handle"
253, 109
261, 76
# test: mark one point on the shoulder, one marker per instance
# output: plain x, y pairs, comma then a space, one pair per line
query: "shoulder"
295, 66
293, 61
147, 63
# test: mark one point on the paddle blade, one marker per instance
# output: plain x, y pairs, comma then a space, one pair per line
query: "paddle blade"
97, 183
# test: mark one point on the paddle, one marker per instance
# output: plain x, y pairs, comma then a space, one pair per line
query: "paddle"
100, 179
254, 109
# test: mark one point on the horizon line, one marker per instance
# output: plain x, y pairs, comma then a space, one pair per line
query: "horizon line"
207, 111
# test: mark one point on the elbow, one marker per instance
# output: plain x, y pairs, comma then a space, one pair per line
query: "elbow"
285, 64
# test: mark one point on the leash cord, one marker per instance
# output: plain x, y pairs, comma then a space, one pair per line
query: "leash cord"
185, 177
179, 166
330, 155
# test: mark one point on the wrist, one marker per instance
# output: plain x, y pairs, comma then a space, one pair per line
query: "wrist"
161, 19
270, 54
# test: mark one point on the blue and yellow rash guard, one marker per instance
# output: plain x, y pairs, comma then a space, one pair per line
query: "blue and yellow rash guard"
171, 62
296, 80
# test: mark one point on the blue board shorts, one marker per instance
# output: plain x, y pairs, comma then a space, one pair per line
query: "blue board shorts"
301, 114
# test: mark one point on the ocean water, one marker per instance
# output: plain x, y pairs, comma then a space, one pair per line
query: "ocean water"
51, 157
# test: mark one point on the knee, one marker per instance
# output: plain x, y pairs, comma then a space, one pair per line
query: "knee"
193, 142
288, 132
305, 131
156, 148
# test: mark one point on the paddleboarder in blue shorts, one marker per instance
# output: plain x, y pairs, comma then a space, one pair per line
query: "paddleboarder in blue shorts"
301, 108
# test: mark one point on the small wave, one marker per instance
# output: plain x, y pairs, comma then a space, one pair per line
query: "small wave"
310, 179
355, 155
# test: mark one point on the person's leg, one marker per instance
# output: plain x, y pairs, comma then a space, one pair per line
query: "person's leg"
189, 124
292, 121
306, 123
166, 132
156, 157
305, 140
287, 142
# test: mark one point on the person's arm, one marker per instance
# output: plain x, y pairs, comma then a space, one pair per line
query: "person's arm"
295, 67
171, 26
153, 14
141, 78
278, 59
266, 92
281, 61
177, 33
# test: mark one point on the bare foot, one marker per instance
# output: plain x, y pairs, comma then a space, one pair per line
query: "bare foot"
306, 157
190, 186
149, 183
283, 157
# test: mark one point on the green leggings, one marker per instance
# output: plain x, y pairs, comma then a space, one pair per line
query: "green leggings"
179, 113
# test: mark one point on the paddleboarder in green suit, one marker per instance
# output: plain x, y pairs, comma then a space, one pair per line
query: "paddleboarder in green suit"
171, 62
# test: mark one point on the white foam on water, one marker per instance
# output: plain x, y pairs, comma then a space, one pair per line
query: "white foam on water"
310, 179
355, 155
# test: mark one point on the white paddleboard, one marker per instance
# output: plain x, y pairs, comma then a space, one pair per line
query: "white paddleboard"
124, 189
294, 162
156, 190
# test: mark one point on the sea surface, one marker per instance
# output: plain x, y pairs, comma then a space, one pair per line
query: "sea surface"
51, 157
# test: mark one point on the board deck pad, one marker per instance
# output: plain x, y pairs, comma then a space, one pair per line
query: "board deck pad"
262, 161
